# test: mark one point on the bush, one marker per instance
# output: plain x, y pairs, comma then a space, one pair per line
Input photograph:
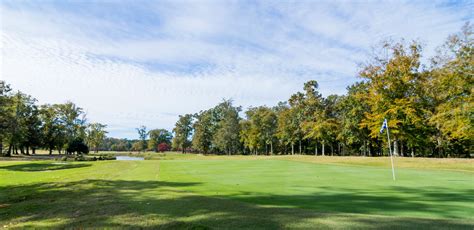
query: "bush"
163, 147
77, 146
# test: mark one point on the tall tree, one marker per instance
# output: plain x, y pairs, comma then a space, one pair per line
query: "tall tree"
5, 112
182, 132
204, 130
73, 122
297, 112
286, 127
451, 91
353, 109
226, 136
142, 135
33, 137
261, 128
23, 108
313, 114
50, 129
394, 92
95, 135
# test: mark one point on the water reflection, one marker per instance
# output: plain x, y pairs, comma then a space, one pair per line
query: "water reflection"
127, 158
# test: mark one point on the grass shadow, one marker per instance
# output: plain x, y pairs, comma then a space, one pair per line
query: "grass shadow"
433, 202
166, 205
34, 167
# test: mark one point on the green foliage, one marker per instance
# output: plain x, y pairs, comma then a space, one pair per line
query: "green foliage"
259, 130
142, 135
452, 87
157, 137
216, 130
182, 133
95, 135
77, 146
204, 129
226, 138
25, 126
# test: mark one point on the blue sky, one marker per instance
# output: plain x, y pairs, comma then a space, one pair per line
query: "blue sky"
132, 63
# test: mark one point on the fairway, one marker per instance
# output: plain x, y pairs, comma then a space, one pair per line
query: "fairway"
233, 193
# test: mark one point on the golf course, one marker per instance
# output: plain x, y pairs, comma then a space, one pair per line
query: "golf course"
260, 114
190, 191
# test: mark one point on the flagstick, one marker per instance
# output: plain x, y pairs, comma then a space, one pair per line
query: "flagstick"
391, 156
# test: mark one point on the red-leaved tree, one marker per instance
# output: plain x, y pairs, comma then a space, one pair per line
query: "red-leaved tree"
163, 147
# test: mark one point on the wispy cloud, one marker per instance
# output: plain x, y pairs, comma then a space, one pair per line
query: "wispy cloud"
133, 63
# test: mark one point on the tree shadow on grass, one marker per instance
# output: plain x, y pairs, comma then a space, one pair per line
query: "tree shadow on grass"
34, 167
434, 202
166, 205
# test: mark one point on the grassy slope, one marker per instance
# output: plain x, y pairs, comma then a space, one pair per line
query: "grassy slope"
239, 193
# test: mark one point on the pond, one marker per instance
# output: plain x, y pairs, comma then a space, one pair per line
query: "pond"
127, 158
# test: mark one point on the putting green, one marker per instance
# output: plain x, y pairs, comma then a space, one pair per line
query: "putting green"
330, 188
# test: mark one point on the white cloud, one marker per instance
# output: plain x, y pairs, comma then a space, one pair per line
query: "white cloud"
150, 63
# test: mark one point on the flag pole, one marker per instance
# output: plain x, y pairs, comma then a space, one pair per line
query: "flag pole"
390, 151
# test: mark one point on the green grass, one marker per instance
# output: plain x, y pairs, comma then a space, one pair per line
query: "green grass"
207, 192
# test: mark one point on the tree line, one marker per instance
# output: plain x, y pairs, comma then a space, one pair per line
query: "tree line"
26, 126
429, 108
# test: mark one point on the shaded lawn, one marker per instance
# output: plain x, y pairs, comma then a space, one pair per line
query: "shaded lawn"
230, 194
31, 167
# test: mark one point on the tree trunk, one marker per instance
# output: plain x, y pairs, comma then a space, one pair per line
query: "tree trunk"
412, 152
401, 148
292, 149
1, 148
300, 146
370, 149
323, 148
316, 149
395, 147
9, 153
33, 150
271, 147
27, 150
367, 149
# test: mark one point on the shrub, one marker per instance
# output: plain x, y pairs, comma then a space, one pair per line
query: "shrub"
77, 146
162, 147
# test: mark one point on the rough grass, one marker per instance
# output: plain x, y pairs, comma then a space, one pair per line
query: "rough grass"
215, 192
